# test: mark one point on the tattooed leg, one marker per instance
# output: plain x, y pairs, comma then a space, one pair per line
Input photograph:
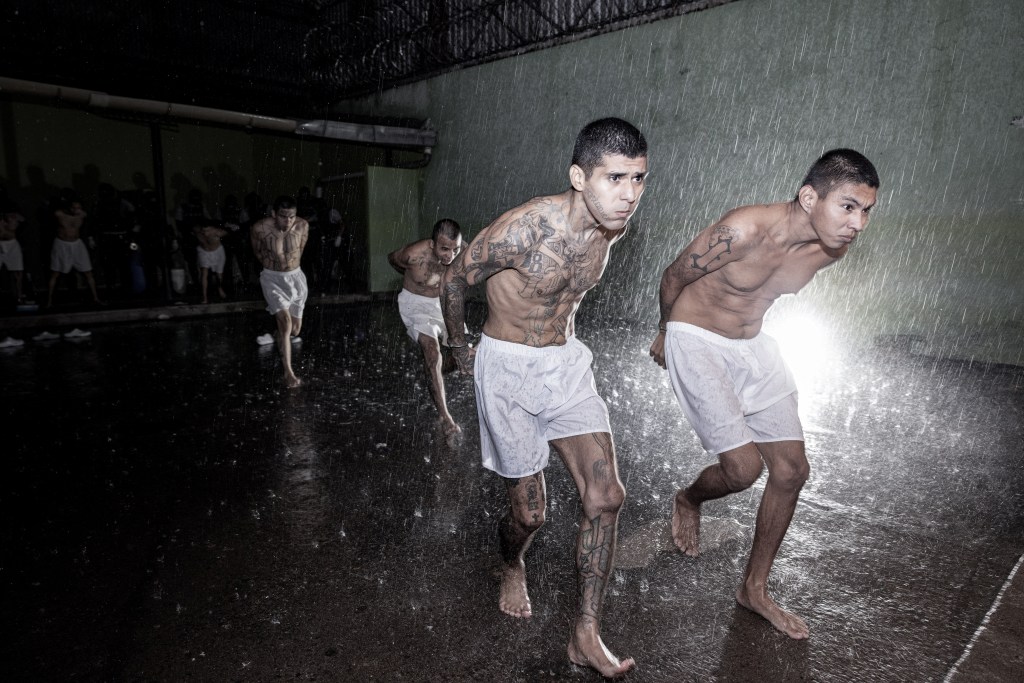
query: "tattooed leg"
590, 459
527, 499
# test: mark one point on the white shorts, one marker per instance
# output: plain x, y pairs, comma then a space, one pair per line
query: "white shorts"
214, 260
732, 391
67, 255
527, 396
284, 291
10, 255
422, 315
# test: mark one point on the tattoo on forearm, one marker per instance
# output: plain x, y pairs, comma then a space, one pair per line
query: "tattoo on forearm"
453, 301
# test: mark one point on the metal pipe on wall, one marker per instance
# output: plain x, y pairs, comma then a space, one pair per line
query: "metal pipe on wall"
387, 136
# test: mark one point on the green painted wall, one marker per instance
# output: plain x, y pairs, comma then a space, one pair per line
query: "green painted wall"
393, 201
736, 102
46, 148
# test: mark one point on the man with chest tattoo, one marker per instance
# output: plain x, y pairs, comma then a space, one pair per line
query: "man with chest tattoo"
534, 385
277, 243
729, 377
423, 264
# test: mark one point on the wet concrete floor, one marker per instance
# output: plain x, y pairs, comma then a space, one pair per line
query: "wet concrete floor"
171, 513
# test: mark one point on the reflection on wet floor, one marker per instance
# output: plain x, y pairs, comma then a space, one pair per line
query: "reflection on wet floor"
179, 515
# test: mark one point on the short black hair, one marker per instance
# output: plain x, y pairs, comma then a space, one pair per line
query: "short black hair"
605, 137
284, 201
446, 227
838, 167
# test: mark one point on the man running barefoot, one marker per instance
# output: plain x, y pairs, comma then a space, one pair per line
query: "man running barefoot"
423, 264
277, 242
534, 386
729, 377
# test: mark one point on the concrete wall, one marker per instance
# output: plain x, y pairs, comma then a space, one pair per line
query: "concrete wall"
736, 102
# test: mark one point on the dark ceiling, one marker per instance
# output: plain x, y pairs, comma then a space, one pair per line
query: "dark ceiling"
287, 57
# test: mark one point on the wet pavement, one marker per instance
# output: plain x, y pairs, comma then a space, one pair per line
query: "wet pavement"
172, 513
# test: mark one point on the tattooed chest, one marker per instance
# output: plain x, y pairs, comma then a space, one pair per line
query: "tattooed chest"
561, 271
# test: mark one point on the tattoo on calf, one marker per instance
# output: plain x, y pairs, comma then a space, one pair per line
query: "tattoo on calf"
595, 561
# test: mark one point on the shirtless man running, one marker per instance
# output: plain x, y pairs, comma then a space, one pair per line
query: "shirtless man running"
69, 251
534, 386
211, 258
277, 242
729, 377
423, 264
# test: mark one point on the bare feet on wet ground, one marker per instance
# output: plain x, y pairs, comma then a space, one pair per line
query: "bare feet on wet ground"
513, 599
587, 649
759, 602
686, 524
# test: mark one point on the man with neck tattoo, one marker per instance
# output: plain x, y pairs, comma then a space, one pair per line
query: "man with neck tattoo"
729, 377
534, 386
277, 242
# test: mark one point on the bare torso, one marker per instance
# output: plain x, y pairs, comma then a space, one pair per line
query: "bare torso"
276, 249
733, 299
69, 225
209, 237
423, 271
8, 230
552, 266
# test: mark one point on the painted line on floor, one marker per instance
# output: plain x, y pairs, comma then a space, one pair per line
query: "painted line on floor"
984, 622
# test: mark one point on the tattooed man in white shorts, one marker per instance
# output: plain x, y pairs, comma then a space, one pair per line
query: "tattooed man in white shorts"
278, 242
534, 386
730, 380
422, 264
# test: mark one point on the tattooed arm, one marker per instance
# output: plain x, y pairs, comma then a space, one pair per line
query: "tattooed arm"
713, 248
710, 250
502, 244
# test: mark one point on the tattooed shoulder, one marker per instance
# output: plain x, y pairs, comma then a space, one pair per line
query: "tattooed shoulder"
720, 242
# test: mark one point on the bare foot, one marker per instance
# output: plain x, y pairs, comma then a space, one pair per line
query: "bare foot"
452, 432
587, 649
686, 524
450, 427
513, 599
787, 622
292, 381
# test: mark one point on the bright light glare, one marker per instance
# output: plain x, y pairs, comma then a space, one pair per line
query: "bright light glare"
806, 344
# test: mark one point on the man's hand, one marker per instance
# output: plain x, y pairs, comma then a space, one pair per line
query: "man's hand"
464, 357
658, 349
